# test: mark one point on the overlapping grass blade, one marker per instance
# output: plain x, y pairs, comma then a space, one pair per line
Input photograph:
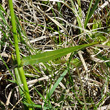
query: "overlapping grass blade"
46, 56
90, 11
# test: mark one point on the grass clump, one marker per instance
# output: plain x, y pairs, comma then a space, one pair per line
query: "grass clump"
61, 55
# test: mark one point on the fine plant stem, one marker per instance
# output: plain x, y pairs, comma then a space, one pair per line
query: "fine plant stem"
14, 33
23, 79
20, 69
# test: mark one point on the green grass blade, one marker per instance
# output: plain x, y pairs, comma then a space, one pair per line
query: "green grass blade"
14, 32
3, 20
19, 82
90, 11
20, 69
57, 83
80, 15
77, 13
35, 106
46, 101
46, 56
41, 95
87, 16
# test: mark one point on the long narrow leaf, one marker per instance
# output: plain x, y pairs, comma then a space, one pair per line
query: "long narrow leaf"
57, 83
46, 56
90, 12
